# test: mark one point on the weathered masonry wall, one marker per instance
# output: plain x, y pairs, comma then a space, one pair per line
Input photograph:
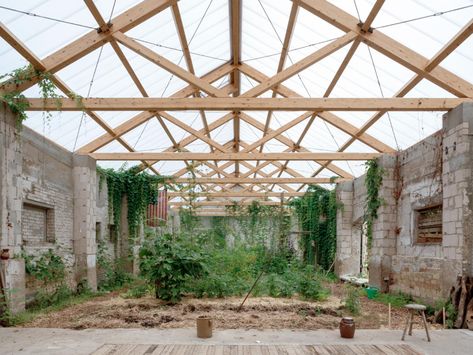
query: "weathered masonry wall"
49, 199
433, 175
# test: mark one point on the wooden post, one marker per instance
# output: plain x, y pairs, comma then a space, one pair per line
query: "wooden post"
389, 315
443, 317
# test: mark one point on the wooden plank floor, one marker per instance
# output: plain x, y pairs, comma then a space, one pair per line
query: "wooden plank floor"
173, 349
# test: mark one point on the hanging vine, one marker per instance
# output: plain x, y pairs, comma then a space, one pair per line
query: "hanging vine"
18, 103
317, 213
373, 181
140, 190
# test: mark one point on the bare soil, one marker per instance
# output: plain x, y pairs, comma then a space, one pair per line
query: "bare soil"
113, 311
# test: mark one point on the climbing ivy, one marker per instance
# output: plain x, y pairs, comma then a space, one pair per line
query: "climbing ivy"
140, 189
16, 101
317, 213
373, 181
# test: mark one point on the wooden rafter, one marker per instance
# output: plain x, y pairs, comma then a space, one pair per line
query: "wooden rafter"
238, 194
225, 203
144, 116
282, 59
11, 39
448, 48
390, 47
248, 180
248, 104
342, 123
235, 7
93, 40
190, 65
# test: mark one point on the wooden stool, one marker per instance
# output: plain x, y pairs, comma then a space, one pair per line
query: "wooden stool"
415, 308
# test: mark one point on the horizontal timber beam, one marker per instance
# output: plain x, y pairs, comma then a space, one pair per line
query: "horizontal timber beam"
224, 203
237, 194
241, 104
171, 156
291, 180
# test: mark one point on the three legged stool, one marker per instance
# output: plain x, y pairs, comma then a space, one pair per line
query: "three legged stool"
413, 309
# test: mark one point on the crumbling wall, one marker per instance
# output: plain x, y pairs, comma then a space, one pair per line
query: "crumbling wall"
435, 171
49, 199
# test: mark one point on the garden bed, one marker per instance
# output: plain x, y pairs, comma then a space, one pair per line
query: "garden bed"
114, 311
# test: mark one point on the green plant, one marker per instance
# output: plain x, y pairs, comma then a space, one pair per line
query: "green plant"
17, 102
167, 263
309, 287
139, 188
138, 289
352, 300
48, 267
397, 300
317, 213
373, 181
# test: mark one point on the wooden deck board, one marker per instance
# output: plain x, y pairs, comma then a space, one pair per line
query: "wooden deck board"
181, 349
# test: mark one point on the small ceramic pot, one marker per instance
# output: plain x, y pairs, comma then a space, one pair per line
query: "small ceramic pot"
5, 254
347, 327
204, 327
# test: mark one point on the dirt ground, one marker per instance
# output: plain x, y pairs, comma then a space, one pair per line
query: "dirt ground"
113, 311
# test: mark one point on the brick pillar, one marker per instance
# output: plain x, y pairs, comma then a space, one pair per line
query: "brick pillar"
85, 194
13, 270
384, 227
347, 258
457, 243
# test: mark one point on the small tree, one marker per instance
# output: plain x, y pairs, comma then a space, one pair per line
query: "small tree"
167, 262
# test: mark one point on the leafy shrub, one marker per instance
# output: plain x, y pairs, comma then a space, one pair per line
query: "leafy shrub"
309, 287
352, 300
137, 290
280, 285
168, 262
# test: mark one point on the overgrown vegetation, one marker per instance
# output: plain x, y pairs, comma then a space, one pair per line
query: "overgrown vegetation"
206, 267
111, 272
140, 190
373, 181
168, 263
317, 213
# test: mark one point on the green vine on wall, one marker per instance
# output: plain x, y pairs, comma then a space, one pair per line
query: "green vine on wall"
317, 213
373, 181
18, 103
140, 190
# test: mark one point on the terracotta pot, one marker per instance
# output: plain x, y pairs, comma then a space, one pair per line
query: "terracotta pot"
5, 255
204, 327
347, 327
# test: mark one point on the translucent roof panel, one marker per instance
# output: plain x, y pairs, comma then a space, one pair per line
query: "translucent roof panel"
46, 26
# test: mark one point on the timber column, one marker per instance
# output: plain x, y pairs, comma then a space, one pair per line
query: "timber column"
85, 196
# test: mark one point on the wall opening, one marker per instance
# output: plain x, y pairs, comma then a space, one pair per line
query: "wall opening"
38, 224
428, 222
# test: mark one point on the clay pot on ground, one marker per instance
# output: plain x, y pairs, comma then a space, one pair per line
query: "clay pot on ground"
204, 327
347, 327
5, 254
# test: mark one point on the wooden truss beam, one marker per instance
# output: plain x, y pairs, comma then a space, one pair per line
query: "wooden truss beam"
11, 39
93, 39
389, 47
144, 116
233, 156
248, 104
456, 41
224, 203
238, 194
241, 180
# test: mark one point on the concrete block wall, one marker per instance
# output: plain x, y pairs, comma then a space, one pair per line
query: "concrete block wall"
36, 172
437, 170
